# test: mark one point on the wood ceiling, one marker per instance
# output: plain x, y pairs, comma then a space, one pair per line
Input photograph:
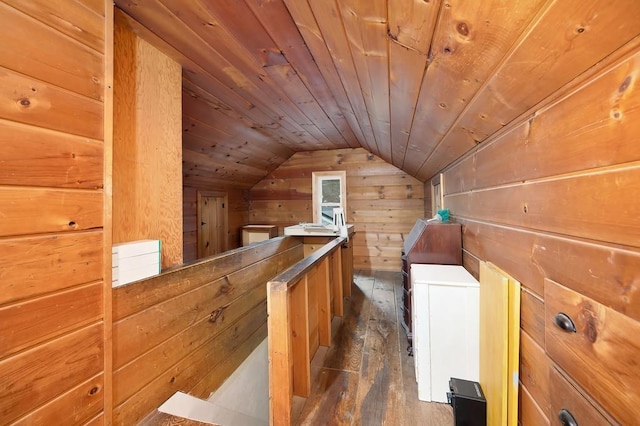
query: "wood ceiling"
416, 82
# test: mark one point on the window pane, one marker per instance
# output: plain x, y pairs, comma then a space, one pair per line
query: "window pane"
330, 191
327, 215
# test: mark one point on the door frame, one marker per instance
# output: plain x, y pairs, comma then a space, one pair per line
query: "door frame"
225, 219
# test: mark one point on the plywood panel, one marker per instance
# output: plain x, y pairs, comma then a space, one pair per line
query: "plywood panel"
147, 204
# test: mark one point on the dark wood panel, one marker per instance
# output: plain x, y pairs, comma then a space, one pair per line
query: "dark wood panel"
580, 265
37, 50
534, 372
529, 413
50, 368
77, 259
601, 355
33, 210
532, 315
32, 156
567, 397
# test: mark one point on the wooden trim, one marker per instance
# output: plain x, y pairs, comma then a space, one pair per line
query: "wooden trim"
107, 225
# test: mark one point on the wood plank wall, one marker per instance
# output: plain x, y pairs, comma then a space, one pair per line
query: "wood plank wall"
54, 89
383, 202
192, 334
147, 155
555, 196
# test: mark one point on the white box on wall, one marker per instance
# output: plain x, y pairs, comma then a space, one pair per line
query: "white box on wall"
135, 260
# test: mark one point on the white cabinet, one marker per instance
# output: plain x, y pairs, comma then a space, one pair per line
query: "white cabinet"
445, 327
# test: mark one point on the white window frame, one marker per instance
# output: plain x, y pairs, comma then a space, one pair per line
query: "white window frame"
317, 178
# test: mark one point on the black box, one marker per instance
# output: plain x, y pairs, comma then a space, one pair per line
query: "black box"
468, 402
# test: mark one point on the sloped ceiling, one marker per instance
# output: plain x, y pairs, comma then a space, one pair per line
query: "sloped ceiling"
416, 82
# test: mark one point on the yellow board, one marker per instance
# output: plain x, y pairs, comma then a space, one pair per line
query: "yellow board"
499, 344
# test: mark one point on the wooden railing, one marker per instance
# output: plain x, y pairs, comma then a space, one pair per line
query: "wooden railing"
301, 303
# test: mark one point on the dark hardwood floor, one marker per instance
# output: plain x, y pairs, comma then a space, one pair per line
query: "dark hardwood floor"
366, 377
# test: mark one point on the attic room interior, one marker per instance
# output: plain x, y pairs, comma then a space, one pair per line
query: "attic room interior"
233, 136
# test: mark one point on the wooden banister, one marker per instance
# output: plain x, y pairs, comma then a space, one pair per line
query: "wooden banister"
301, 303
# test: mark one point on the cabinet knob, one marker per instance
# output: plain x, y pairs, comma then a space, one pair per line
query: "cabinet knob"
566, 418
565, 322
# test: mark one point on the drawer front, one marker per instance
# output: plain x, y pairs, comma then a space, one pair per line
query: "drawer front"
568, 403
601, 354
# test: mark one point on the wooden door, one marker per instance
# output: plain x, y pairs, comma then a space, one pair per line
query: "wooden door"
212, 223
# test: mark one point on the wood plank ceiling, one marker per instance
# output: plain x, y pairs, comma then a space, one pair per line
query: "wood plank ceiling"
416, 82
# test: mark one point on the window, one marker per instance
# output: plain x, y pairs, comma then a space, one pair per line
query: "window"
329, 192
437, 194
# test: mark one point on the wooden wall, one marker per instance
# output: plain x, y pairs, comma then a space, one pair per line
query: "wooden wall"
147, 154
55, 147
555, 197
191, 335
383, 202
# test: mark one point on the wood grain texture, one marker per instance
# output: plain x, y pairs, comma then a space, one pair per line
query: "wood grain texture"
50, 368
27, 158
532, 316
601, 355
54, 263
530, 413
147, 204
535, 367
282, 199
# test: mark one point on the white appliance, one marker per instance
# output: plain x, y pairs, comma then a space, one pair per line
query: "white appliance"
446, 313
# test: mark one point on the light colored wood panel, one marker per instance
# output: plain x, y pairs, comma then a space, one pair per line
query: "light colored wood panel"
280, 361
582, 131
412, 23
147, 146
529, 205
32, 156
494, 313
35, 49
139, 333
188, 371
385, 204
377, 180
131, 378
299, 328
535, 367
51, 369
386, 192
29, 323
456, 71
82, 20
35, 210
38, 103
54, 263
78, 405
601, 356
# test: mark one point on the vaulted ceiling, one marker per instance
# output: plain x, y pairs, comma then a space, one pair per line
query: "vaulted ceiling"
416, 82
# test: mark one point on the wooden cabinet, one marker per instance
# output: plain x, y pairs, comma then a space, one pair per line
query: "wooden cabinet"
427, 243
597, 347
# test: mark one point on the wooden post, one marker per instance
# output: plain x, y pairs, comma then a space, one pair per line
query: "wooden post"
323, 289
280, 359
298, 305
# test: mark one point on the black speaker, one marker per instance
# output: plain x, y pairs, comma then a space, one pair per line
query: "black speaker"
468, 402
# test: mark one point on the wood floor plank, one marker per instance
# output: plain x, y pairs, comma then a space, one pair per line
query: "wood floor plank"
367, 377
